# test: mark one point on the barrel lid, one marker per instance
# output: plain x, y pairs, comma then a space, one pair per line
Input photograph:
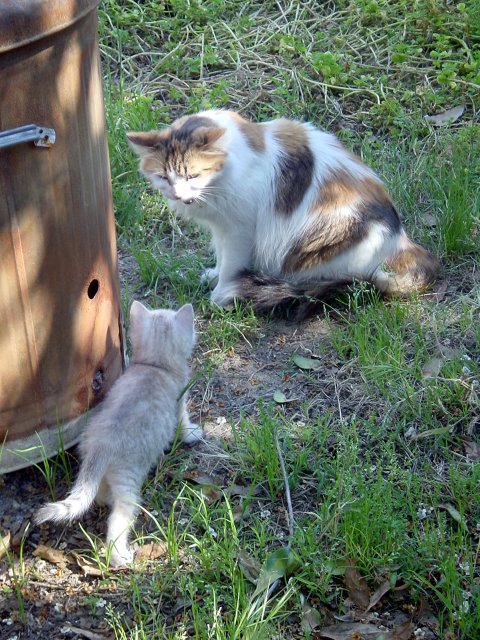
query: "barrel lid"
25, 21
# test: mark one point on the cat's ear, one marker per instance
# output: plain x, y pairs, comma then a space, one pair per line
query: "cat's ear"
143, 142
204, 137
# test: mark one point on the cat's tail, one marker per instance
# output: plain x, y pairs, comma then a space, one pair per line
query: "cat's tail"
80, 497
411, 268
268, 293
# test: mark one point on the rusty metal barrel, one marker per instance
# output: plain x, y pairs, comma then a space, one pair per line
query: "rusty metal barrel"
60, 331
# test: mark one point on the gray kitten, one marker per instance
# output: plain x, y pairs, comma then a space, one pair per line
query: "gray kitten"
134, 425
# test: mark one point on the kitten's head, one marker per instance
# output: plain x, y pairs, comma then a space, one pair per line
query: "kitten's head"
182, 160
161, 337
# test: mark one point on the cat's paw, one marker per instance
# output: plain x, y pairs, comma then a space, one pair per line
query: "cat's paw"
121, 557
222, 297
209, 276
192, 433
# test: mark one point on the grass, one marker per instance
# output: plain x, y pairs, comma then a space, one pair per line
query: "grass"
376, 451
364, 489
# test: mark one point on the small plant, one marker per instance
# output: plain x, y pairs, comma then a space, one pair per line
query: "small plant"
18, 573
49, 467
379, 441
259, 451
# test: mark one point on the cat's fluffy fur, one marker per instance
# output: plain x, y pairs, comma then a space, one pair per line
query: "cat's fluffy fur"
133, 425
290, 210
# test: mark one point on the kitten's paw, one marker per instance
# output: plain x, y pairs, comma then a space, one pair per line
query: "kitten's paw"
209, 276
192, 433
121, 557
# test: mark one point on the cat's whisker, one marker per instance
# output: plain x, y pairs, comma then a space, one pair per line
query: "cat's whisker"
290, 201
224, 193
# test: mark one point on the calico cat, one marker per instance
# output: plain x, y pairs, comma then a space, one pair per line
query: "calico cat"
292, 213
134, 425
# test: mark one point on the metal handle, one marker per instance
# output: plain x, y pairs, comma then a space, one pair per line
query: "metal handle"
40, 136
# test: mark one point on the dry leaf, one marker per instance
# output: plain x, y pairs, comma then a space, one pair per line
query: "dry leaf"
181, 604
88, 568
280, 398
208, 487
151, 551
311, 617
55, 556
429, 220
347, 631
439, 292
454, 513
446, 117
357, 587
438, 431
87, 633
307, 364
5, 544
411, 433
402, 632
447, 352
19, 535
278, 564
243, 491
250, 567
433, 367
211, 493
240, 511
472, 449
199, 477
336, 568
379, 593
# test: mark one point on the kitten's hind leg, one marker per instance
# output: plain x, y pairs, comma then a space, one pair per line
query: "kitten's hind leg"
190, 432
104, 495
125, 501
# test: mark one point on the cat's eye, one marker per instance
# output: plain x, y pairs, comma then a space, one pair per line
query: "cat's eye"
192, 176
163, 176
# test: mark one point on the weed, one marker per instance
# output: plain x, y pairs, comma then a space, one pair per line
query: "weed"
18, 574
50, 468
376, 452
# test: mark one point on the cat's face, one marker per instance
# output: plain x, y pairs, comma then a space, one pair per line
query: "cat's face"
161, 336
183, 160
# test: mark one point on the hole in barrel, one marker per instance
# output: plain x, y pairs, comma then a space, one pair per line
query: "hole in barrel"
93, 289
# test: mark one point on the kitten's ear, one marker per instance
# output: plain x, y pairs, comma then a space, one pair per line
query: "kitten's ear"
185, 327
138, 311
184, 318
203, 137
143, 142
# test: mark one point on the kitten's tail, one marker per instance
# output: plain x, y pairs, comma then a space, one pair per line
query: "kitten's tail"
80, 497
269, 293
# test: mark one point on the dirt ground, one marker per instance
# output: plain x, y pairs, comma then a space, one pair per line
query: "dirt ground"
65, 595
56, 588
